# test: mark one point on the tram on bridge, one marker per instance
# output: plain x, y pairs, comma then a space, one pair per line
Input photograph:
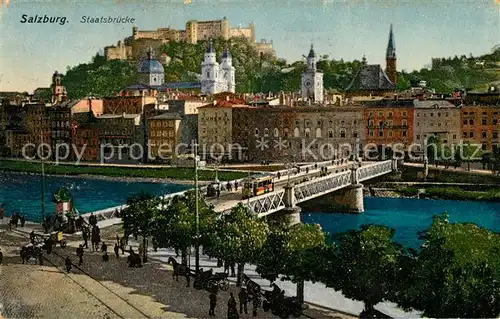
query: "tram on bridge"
258, 185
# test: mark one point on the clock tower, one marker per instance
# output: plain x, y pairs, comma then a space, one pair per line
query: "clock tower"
312, 80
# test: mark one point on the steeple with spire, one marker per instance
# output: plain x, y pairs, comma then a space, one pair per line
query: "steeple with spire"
215, 77
390, 58
312, 80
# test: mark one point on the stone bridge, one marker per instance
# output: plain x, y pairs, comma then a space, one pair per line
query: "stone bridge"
285, 198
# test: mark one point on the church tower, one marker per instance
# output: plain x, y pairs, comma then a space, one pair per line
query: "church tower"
390, 58
227, 71
312, 80
209, 71
58, 91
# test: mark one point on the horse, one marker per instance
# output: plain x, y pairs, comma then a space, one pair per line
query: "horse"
179, 270
252, 287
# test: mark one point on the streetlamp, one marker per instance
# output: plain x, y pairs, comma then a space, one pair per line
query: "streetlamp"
197, 242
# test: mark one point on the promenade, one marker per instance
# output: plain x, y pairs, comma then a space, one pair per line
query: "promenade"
105, 290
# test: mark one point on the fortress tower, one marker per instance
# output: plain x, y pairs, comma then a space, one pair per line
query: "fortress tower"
390, 58
58, 91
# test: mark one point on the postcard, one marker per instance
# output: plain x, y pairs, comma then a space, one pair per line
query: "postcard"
249, 159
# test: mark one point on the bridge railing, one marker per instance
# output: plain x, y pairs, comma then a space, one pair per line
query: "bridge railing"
375, 170
320, 186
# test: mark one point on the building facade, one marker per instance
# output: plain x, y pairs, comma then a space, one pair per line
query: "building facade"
163, 136
388, 123
438, 118
121, 138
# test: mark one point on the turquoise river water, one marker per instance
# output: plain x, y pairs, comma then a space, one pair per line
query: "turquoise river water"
21, 192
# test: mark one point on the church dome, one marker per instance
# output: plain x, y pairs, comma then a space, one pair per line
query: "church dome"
151, 67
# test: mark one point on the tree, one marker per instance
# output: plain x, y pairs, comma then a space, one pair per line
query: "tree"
175, 227
469, 152
457, 273
367, 265
138, 217
238, 237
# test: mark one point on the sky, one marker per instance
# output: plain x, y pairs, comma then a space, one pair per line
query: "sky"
348, 29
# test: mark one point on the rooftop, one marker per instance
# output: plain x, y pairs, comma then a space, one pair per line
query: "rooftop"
116, 116
433, 104
371, 77
167, 116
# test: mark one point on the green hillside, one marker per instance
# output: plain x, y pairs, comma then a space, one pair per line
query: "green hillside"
263, 74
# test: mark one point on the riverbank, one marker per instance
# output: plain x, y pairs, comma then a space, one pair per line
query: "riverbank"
444, 192
155, 175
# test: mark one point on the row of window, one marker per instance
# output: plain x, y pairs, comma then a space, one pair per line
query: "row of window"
387, 123
162, 124
484, 134
389, 133
169, 133
389, 114
60, 134
307, 133
438, 114
438, 124
484, 121
483, 113
330, 122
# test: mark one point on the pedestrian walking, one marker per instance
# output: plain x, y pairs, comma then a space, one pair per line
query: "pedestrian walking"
117, 251
79, 253
105, 257
104, 247
85, 235
32, 237
213, 303
22, 219
243, 298
218, 192
68, 264
232, 311
236, 185
123, 243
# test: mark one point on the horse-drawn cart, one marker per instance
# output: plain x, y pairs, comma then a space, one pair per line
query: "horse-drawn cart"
210, 281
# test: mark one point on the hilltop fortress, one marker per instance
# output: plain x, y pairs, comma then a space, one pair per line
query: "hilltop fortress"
137, 45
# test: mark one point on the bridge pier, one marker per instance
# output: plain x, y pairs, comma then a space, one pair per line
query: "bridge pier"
349, 199
290, 210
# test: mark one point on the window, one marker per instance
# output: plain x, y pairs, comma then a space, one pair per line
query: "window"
390, 114
296, 122
342, 123
418, 136
483, 134
483, 147
381, 133
380, 114
307, 132
403, 133
484, 113
266, 132
390, 133
208, 74
370, 114
464, 135
439, 114
355, 134
465, 122
256, 132
439, 123
404, 123
276, 132
389, 123
454, 136
370, 123
371, 133
471, 134
495, 121
342, 133
318, 132
404, 114
330, 133
495, 135
471, 122
446, 114
296, 132
432, 114
418, 114
319, 122
380, 123
483, 121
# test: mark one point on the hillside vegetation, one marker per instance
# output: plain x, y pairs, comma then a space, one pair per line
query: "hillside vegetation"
263, 74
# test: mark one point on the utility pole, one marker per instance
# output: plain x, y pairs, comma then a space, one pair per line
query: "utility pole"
197, 248
43, 179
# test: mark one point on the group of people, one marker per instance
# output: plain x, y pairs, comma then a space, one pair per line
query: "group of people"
16, 219
232, 309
